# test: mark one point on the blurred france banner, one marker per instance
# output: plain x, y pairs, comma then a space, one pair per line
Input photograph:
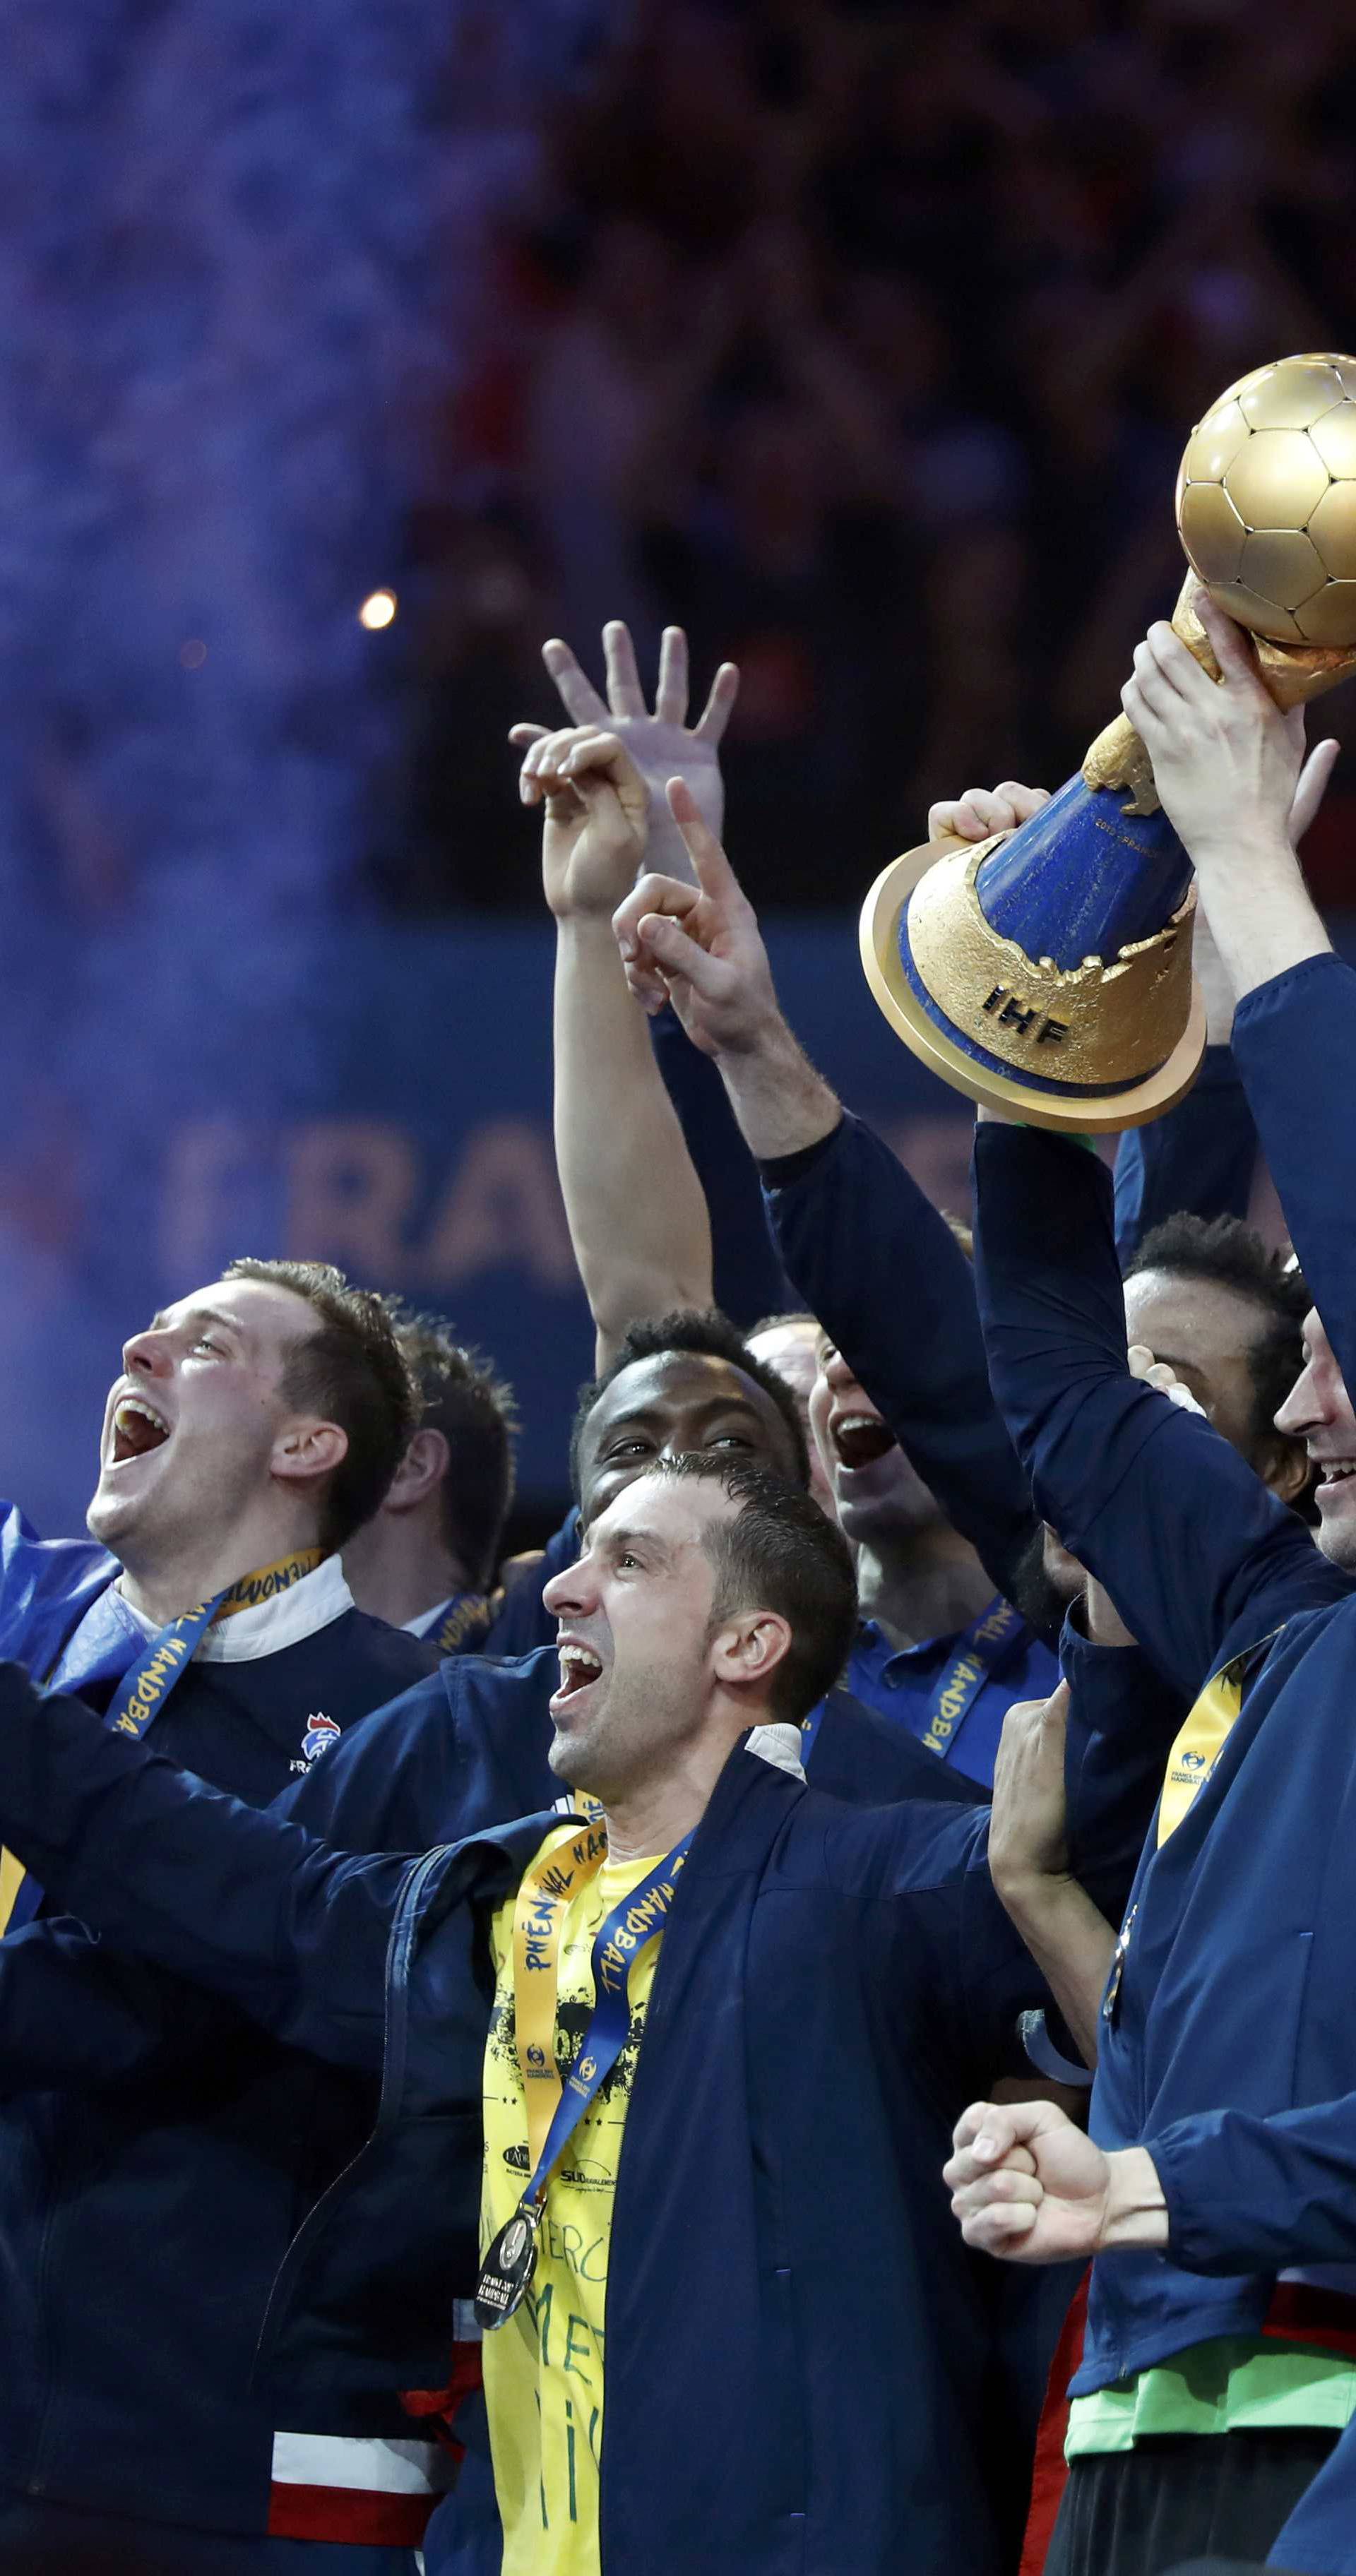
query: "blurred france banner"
372, 1095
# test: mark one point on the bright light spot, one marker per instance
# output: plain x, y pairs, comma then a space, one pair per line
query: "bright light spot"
193, 653
378, 610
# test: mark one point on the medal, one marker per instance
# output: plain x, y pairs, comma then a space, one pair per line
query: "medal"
554, 2111
507, 2270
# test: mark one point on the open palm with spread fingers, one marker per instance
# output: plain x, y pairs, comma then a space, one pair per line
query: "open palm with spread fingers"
662, 745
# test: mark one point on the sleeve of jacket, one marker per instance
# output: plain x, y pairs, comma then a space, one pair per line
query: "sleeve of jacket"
75, 2017
46, 1585
1137, 1488
1248, 2194
1295, 1040
942, 1933
873, 1259
1123, 1721
747, 1276
1202, 1156
234, 1898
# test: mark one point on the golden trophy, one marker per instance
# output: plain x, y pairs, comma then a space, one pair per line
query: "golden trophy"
1048, 969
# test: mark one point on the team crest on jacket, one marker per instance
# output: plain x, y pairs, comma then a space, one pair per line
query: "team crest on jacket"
320, 1731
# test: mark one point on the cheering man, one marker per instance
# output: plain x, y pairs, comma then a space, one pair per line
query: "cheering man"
254, 1425
724, 2219
1218, 2186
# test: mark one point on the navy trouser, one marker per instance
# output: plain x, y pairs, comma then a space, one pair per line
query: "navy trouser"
38, 2539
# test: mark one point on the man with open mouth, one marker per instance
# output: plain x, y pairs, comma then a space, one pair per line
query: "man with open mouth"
728, 2020
253, 1426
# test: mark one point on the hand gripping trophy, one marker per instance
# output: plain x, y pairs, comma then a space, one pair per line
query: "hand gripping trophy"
1048, 969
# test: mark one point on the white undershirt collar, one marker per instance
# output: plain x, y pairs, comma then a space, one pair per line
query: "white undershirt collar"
780, 1744
311, 1603
428, 1620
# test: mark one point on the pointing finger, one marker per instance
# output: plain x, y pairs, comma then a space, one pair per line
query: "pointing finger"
715, 875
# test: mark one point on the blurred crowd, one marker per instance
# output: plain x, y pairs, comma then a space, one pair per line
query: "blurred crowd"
863, 341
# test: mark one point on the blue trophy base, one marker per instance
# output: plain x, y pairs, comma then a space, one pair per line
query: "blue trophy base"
961, 1061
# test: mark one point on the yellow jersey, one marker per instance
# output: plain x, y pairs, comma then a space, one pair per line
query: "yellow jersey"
544, 2365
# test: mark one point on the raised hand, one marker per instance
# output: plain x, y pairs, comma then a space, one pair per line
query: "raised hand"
1228, 765
1157, 1373
595, 832
982, 810
1026, 1830
661, 745
699, 946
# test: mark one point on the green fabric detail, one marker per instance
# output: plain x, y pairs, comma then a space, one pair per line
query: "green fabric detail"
1090, 1144
1235, 2384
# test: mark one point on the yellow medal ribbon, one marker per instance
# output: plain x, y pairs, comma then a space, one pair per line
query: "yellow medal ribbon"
1199, 1746
545, 1893
267, 1581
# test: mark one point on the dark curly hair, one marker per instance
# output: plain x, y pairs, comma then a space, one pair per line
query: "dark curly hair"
1229, 1254
709, 1333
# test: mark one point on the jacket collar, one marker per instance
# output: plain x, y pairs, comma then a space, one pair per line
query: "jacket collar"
755, 1792
310, 1604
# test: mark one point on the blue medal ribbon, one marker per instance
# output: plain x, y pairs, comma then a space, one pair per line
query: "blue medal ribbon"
618, 1941
981, 1650
634, 1922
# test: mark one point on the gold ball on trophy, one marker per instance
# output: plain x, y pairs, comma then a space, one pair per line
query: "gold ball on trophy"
1266, 500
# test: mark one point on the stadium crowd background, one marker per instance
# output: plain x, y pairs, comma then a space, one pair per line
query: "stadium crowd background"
862, 339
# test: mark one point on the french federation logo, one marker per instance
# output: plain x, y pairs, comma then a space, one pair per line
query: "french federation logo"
320, 1731
1193, 1762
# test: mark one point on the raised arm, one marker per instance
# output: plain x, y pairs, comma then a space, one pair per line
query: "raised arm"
1203, 1154
1067, 1934
75, 2018
636, 1212
1138, 1488
1228, 768
232, 1897
864, 1249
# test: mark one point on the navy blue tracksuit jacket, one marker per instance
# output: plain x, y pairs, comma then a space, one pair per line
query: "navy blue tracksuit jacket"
834, 1984
145, 2200
1232, 2052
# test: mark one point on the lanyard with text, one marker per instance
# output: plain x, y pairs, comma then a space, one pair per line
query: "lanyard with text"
145, 1687
461, 1623
1206, 1730
985, 1646
1209, 1723
554, 2110
981, 1651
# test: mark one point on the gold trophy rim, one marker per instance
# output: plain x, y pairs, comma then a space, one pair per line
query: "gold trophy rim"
1086, 1116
